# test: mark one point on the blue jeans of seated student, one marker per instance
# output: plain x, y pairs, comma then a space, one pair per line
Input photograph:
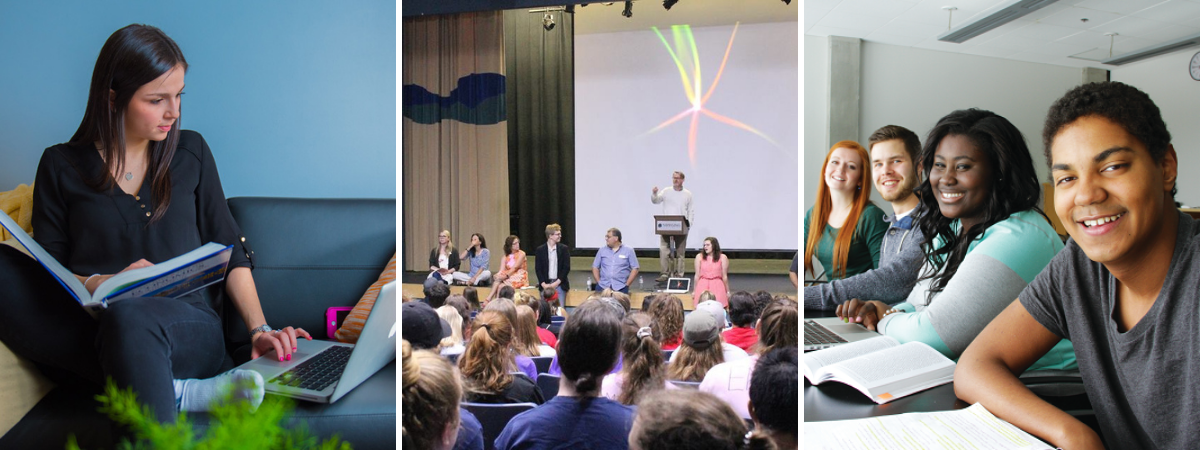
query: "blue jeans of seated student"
143, 343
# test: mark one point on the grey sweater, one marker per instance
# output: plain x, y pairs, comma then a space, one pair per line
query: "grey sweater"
899, 265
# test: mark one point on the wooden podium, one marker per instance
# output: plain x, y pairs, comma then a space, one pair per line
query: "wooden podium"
670, 225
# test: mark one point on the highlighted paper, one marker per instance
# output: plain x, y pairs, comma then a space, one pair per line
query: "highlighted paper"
971, 428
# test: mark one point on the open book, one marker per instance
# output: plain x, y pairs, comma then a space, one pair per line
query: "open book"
881, 367
175, 277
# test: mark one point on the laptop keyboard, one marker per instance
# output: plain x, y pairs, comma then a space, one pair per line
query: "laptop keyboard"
816, 334
318, 372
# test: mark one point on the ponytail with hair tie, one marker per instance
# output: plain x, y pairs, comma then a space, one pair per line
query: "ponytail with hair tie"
644, 332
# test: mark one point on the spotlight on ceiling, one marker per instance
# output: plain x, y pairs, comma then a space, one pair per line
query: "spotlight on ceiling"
548, 22
628, 12
667, 4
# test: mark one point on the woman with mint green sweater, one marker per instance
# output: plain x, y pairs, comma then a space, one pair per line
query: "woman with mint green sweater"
988, 238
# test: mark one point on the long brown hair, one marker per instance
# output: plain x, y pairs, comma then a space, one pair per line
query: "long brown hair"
691, 363
824, 206
668, 319
130, 58
779, 326
643, 359
486, 363
429, 396
527, 338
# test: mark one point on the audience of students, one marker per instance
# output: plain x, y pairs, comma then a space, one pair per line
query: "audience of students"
452, 344
472, 296
702, 348
643, 370
508, 308
987, 238
487, 365
717, 311
773, 397
421, 326
479, 259
686, 420
743, 313
668, 321
461, 305
1123, 291
578, 417
712, 272
443, 260
895, 152
429, 395
843, 229
778, 327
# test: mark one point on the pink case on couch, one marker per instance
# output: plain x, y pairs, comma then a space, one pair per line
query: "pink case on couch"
332, 321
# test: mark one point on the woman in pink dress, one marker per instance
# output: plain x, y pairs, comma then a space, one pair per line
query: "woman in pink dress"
712, 272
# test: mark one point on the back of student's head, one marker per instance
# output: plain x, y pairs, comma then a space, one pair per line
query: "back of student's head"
429, 396
588, 345
486, 363
520, 299
779, 326
668, 318
700, 349
686, 419
464, 310
743, 309
527, 338
506, 291
648, 302
642, 358
472, 297
761, 300
451, 316
773, 392
436, 295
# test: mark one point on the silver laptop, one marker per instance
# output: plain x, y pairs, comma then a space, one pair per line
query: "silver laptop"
832, 331
678, 285
324, 371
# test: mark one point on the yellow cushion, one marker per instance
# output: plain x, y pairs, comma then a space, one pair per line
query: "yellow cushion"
21, 387
357, 318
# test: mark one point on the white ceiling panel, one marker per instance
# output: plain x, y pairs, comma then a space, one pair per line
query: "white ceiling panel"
1050, 35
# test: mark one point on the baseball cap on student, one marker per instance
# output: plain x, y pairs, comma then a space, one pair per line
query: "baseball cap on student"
421, 326
714, 308
700, 329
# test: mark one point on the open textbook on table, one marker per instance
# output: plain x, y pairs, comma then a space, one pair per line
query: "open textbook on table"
175, 277
880, 367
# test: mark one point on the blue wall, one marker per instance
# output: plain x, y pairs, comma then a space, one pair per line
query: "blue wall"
296, 98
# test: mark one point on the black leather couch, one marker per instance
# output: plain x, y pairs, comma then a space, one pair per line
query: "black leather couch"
308, 254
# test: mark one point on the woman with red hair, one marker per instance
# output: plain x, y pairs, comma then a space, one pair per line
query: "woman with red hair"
844, 229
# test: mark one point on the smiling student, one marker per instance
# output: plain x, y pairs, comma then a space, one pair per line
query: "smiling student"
894, 154
843, 229
987, 238
1123, 291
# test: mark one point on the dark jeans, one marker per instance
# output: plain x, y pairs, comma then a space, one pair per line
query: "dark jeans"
597, 288
143, 343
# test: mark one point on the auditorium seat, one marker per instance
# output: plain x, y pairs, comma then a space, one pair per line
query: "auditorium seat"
542, 363
494, 417
549, 385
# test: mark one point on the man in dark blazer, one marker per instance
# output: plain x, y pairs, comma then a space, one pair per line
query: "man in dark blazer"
553, 277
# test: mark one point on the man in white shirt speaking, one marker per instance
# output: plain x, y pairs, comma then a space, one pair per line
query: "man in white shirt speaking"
676, 201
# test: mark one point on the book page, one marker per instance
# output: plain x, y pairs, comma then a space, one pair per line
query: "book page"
813, 361
971, 428
899, 362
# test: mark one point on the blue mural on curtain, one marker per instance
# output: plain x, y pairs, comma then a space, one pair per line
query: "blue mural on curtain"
478, 100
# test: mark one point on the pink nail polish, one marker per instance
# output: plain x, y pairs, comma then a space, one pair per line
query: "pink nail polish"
289, 357
280, 359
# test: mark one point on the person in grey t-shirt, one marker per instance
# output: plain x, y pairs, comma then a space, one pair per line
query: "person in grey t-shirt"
1123, 290
894, 152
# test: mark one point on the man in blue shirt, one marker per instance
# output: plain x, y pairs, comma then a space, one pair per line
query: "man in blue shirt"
616, 265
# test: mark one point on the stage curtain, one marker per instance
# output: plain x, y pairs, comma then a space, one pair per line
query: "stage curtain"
455, 149
541, 124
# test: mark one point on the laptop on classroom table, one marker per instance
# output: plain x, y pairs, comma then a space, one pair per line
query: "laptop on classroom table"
829, 332
324, 371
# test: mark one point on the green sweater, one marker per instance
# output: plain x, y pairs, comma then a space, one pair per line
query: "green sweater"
864, 248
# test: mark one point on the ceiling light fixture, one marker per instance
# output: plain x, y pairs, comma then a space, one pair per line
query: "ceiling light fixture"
667, 4
628, 12
1154, 50
993, 20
